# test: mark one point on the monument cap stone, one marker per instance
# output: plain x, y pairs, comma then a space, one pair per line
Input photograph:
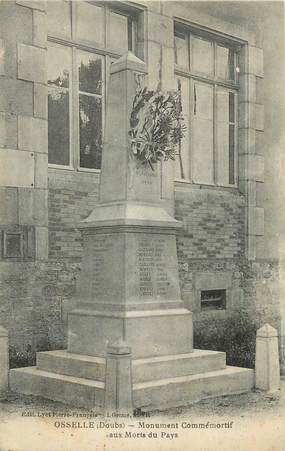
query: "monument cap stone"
3, 332
267, 331
128, 61
130, 213
118, 348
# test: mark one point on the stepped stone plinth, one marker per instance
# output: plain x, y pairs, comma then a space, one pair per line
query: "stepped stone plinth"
129, 316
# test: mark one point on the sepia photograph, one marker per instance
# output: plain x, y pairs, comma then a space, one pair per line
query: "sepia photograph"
142, 238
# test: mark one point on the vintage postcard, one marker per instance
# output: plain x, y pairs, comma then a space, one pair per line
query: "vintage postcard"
142, 225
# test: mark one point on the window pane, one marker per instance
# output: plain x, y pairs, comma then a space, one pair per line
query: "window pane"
232, 154
225, 137
132, 35
231, 107
59, 65
90, 72
202, 56
222, 101
89, 22
58, 126
232, 128
225, 63
182, 159
202, 134
90, 125
118, 31
13, 245
203, 101
59, 18
181, 50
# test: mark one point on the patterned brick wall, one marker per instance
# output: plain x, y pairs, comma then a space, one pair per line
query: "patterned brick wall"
213, 219
71, 198
213, 223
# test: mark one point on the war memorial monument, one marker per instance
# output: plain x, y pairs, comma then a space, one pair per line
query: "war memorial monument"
130, 338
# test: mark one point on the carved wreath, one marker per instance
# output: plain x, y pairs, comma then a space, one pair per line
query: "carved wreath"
156, 126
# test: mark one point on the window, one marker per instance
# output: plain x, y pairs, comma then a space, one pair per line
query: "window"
84, 39
206, 73
17, 243
13, 244
213, 300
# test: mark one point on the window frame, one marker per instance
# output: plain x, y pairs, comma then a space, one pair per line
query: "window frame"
71, 165
216, 303
107, 54
231, 85
19, 234
76, 142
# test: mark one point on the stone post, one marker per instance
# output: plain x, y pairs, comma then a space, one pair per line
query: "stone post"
118, 382
4, 362
267, 370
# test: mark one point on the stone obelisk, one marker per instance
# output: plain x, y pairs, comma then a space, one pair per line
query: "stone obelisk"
128, 289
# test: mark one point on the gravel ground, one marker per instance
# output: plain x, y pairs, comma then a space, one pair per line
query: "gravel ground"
254, 403
256, 421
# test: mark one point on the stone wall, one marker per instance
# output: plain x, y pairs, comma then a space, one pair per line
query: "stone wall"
23, 174
253, 299
23, 121
33, 298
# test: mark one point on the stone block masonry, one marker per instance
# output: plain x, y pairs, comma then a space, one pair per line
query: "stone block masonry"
31, 63
31, 317
23, 121
32, 134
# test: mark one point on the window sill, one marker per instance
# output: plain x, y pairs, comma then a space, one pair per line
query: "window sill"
72, 169
90, 171
187, 185
60, 167
204, 315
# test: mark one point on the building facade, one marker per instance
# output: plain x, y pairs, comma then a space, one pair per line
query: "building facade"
226, 59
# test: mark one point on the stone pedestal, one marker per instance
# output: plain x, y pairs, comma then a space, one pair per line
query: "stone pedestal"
267, 370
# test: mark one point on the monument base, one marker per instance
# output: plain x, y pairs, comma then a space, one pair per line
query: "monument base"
150, 333
157, 382
130, 340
